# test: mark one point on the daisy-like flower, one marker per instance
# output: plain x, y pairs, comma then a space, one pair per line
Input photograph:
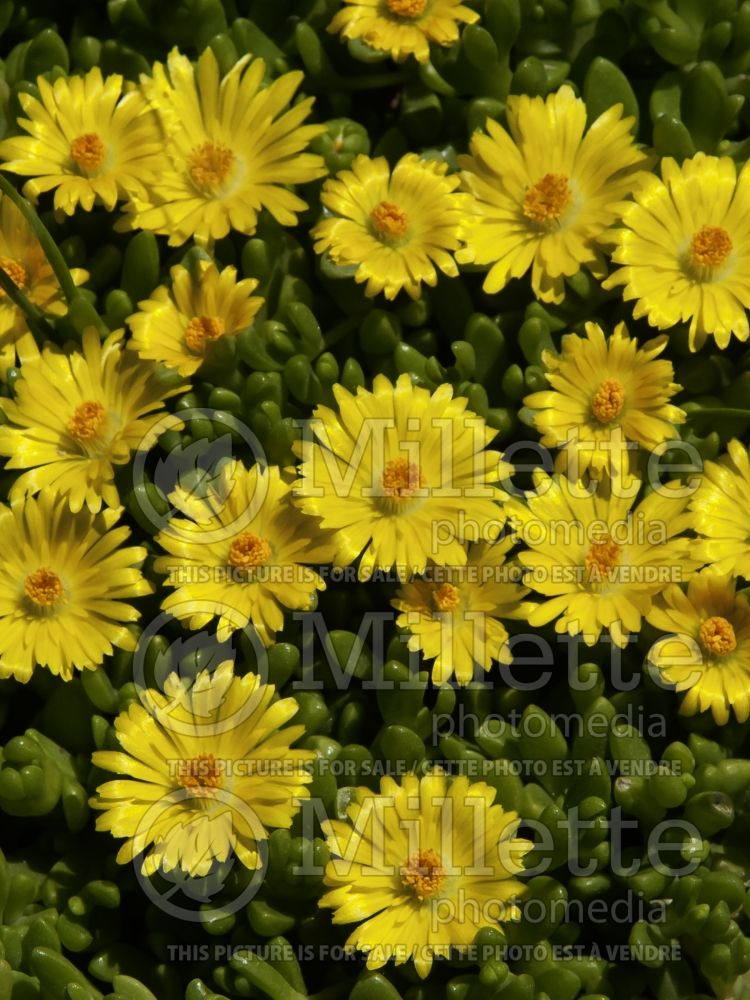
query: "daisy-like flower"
402, 27
398, 229
23, 260
605, 393
208, 769
685, 249
546, 193
86, 140
231, 148
455, 616
401, 477
599, 563
707, 653
75, 416
64, 586
721, 515
242, 555
422, 867
177, 325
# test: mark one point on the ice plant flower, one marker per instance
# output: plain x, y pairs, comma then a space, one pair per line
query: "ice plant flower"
684, 245
455, 615
86, 140
414, 855
207, 770
399, 230
401, 477
546, 192
721, 515
231, 148
402, 27
177, 325
65, 582
707, 652
76, 415
597, 562
245, 559
23, 260
603, 394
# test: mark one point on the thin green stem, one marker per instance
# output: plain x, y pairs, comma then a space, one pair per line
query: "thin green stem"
338, 332
721, 411
34, 316
51, 250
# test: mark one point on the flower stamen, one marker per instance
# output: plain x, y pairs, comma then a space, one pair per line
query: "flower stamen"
248, 551
608, 401
602, 558
710, 247
423, 874
546, 200
717, 636
44, 587
201, 774
390, 222
88, 151
447, 597
210, 165
406, 8
87, 421
201, 331
15, 271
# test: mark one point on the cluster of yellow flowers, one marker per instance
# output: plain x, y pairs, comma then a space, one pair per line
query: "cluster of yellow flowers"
396, 479
189, 154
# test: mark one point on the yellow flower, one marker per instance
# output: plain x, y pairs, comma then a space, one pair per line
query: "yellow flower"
23, 260
721, 514
402, 27
230, 149
605, 393
546, 193
86, 140
64, 582
707, 653
599, 563
398, 230
401, 477
422, 867
77, 415
208, 769
685, 247
177, 325
243, 559
454, 615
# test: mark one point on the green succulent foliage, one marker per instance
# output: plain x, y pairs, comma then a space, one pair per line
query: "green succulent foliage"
75, 925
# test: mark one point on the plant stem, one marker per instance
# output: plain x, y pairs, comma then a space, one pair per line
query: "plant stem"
51, 250
721, 411
34, 316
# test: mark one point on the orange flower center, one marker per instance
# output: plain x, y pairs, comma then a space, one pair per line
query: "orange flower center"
389, 221
423, 874
447, 598
201, 331
608, 401
710, 247
248, 550
44, 587
87, 420
406, 8
210, 165
15, 271
602, 558
546, 201
88, 152
401, 479
717, 636
201, 774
